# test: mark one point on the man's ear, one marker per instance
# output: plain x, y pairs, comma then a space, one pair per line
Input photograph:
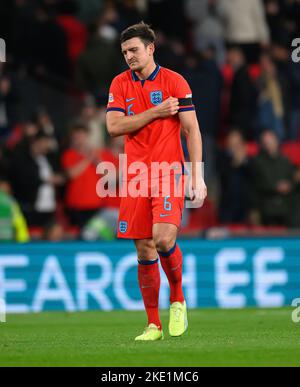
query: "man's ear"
151, 48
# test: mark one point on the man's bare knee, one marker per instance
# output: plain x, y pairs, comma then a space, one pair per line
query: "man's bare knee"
145, 249
164, 242
164, 236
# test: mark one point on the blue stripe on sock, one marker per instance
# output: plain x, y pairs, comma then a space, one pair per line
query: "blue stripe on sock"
141, 262
166, 254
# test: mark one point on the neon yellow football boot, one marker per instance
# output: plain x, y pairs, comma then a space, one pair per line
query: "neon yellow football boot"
151, 333
178, 322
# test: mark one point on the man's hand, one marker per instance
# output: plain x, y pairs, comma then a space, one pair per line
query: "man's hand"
5, 86
198, 192
92, 155
284, 187
167, 108
118, 124
57, 179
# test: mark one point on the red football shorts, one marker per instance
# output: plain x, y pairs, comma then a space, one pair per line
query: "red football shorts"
161, 205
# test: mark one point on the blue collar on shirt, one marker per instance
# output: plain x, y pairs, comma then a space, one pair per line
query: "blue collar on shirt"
151, 76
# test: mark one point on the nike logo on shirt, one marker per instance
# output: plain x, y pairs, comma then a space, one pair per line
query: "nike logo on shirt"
129, 99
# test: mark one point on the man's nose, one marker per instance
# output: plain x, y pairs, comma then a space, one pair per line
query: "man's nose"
129, 56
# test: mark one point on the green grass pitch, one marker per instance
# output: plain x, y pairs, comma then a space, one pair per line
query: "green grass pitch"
216, 337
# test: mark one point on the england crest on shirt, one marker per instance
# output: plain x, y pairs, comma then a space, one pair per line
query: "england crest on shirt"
123, 226
110, 98
156, 97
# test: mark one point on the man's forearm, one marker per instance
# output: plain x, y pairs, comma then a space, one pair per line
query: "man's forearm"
118, 125
78, 169
129, 124
194, 145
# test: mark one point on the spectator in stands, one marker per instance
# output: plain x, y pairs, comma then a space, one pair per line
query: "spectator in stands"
4, 163
80, 162
273, 181
128, 14
275, 18
283, 19
75, 30
93, 116
46, 125
34, 177
293, 17
288, 75
294, 122
87, 9
166, 17
26, 132
168, 54
42, 40
271, 107
8, 100
20, 142
103, 225
13, 225
110, 153
245, 25
243, 94
43, 45
205, 79
208, 29
294, 209
99, 62
234, 169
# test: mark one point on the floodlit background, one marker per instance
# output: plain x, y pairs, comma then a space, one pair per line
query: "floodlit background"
240, 58
237, 57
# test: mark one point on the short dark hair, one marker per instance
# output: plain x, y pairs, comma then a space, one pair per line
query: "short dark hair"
140, 30
40, 135
78, 127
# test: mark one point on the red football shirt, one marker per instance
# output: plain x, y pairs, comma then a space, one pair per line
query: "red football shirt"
81, 190
159, 140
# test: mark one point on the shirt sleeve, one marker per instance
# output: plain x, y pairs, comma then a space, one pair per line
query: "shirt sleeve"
184, 94
68, 159
116, 100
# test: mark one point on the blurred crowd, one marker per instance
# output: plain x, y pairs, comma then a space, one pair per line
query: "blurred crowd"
61, 56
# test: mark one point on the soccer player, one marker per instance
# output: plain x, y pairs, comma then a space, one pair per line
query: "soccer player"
148, 104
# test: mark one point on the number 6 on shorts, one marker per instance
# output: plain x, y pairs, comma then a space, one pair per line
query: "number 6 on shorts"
167, 205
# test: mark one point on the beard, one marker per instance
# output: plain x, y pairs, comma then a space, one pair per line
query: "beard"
136, 66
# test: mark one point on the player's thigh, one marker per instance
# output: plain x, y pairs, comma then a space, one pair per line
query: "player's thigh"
167, 214
164, 236
167, 205
135, 218
145, 248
